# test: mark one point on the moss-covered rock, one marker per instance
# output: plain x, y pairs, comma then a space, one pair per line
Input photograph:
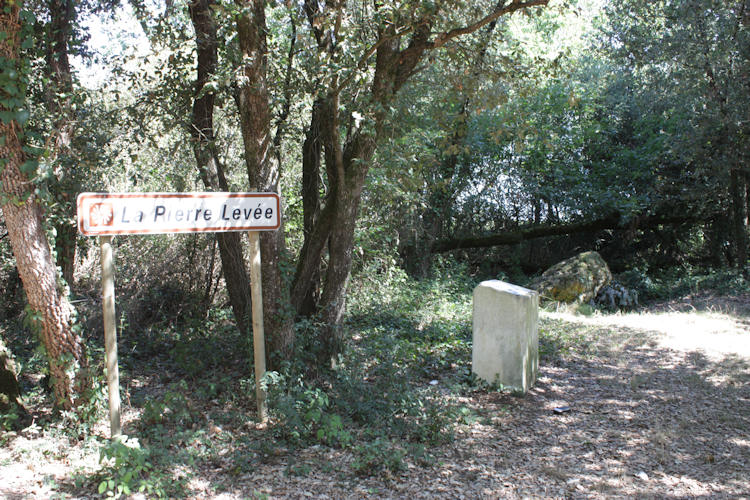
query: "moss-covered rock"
577, 279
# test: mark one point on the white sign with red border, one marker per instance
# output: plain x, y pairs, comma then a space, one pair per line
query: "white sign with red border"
101, 214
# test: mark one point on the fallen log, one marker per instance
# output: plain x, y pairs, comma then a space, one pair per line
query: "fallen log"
516, 236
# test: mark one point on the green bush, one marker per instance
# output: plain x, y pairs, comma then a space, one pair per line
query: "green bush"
682, 281
304, 412
127, 470
172, 408
377, 456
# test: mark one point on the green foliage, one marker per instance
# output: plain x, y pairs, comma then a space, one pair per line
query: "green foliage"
81, 421
381, 392
127, 470
682, 281
305, 413
171, 409
14, 76
376, 456
11, 414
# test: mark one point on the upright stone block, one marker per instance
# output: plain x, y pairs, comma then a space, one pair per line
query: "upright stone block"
506, 335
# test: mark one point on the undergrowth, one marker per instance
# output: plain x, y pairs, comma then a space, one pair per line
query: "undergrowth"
658, 284
392, 398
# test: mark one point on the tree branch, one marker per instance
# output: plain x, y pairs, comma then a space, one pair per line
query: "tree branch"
442, 38
281, 119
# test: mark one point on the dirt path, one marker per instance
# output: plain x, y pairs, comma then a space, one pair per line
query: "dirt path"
645, 420
651, 415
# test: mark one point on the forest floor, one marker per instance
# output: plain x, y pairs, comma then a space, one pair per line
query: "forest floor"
657, 405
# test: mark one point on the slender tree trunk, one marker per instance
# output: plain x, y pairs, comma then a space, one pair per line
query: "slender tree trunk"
23, 218
739, 232
58, 97
210, 168
263, 172
308, 265
347, 164
341, 243
311, 161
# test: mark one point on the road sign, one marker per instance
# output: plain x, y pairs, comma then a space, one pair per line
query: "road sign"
101, 214
109, 214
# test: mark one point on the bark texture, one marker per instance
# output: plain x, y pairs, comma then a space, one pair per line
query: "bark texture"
23, 218
206, 156
263, 172
312, 150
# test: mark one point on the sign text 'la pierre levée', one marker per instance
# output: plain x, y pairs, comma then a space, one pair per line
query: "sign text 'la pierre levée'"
101, 214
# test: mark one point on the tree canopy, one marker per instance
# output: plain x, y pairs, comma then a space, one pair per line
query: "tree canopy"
394, 131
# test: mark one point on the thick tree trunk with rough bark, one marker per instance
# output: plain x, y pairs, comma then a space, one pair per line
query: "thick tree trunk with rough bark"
253, 100
210, 168
23, 217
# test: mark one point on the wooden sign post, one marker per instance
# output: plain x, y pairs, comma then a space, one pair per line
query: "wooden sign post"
259, 339
110, 333
109, 214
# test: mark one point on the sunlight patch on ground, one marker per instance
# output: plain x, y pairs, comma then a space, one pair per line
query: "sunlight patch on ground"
715, 335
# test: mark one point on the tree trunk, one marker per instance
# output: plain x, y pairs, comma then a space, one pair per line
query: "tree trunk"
341, 243
311, 160
263, 173
210, 168
347, 164
348, 159
739, 232
58, 98
23, 217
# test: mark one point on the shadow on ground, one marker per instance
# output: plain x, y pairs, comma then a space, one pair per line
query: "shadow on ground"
644, 421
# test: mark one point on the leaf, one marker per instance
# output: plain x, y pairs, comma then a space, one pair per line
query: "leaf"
7, 116
102, 487
29, 167
22, 116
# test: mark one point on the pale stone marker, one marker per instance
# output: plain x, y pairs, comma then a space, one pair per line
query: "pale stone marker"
505, 333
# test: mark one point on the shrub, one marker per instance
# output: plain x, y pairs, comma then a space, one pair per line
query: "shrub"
127, 470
